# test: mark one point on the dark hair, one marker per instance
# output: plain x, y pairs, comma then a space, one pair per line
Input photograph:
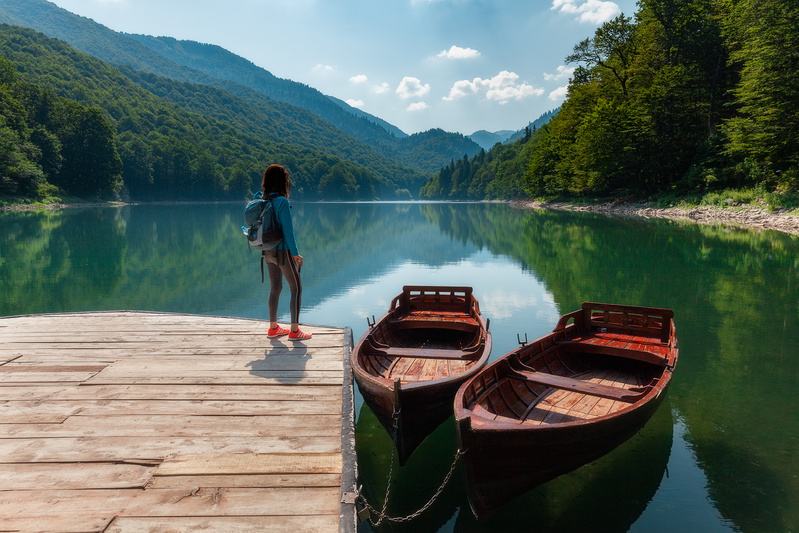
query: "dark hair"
276, 179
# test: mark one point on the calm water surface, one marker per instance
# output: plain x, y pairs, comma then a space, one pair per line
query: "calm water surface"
722, 453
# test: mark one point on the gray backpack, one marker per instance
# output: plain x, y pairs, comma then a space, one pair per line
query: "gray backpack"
260, 223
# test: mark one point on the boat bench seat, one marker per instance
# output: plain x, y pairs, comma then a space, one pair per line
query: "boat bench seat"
577, 385
457, 323
652, 354
428, 353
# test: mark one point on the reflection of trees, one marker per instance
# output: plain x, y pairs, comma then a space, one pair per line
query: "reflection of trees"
59, 260
734, 294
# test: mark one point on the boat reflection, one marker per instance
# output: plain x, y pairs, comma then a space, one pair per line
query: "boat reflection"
609, 494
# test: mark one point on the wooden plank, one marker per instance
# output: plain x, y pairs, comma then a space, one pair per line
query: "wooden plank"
171, 366
153, 449
206, 392
225, 524
263, 463
305, 501
577, 385
227, 378
160, 339
13, 368
246, 480
92, 353
45, 377
55, 524
180, 426
61, 503
34, 477
12, 412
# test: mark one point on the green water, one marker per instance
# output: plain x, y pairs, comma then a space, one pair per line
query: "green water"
722, 453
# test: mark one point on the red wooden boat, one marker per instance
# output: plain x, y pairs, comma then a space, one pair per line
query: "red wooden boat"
563, 400
411, 361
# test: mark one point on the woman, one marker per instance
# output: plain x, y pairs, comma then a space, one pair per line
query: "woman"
285, 260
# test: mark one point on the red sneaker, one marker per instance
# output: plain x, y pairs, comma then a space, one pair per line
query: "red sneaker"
299, 335
276, 332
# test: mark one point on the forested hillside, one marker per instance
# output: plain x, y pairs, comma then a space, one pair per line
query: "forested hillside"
686, 97
44, 138
211, 65
166, 150
496, 174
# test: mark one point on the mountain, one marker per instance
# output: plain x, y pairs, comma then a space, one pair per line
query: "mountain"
176, 140
197, 63
422, 146
220, 63
487, 139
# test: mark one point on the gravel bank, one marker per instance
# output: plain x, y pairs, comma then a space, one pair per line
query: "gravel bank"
746, 217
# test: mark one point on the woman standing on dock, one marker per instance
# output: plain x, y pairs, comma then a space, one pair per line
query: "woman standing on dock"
285, 260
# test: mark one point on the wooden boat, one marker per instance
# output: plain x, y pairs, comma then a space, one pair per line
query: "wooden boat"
563, 400
411, 361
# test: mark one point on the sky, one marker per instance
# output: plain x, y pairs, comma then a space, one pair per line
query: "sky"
458, 65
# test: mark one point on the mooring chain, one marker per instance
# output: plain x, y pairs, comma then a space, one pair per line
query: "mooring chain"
382, 513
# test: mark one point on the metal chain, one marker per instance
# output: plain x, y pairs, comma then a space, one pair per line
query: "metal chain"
382, 513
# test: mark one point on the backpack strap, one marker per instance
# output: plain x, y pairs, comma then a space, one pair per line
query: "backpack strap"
262, 267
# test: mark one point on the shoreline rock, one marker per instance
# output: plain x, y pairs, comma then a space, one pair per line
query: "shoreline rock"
744, 216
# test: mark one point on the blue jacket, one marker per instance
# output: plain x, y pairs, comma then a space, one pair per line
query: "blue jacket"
283, 212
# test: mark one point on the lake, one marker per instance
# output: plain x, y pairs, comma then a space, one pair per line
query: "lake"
721, 454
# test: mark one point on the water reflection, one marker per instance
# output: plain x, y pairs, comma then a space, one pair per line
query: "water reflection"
735, 295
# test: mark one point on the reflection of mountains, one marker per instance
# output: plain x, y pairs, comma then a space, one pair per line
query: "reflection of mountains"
54, 261
347, 243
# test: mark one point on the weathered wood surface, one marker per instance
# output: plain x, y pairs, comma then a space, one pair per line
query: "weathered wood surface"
133, 422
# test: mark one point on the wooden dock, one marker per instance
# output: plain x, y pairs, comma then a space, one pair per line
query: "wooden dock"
131, 422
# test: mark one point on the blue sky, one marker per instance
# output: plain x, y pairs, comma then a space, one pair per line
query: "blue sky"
458, 65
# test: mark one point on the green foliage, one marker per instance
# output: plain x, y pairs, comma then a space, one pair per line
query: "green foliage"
311, 119
47, 141
764, 135
105, 135
690, 96
496, 174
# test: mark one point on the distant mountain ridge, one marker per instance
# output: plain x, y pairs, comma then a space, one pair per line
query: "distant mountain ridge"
221, 63
197, 63
487, 139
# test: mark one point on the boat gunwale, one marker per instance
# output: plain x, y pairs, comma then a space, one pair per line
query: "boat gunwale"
565, 333
396, 307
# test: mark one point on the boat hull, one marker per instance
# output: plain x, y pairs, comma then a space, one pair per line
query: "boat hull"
560, 402
411, 362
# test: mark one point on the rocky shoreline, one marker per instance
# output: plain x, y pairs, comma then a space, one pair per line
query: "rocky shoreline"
739, 216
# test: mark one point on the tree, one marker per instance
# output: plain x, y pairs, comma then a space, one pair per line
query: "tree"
91, 163
764, 37
612, 49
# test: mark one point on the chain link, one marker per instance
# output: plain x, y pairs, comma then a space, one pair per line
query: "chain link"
407, 518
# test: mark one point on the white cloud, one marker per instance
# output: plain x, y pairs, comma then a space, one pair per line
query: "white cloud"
418, 106
563, 72
501, 88
412, 88
324, 68
381, 89
360, 78
456, 52
355, 103
592, 11
559, 93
